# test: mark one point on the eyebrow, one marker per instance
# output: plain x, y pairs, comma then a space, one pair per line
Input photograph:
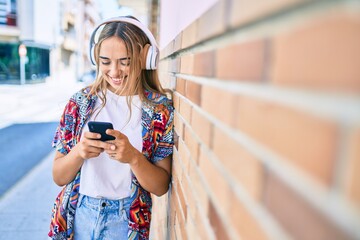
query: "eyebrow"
106, 58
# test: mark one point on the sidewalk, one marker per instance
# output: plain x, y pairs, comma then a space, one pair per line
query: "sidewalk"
41, 102
25, 210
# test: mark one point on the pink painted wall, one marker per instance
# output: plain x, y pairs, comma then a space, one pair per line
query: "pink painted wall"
176, 15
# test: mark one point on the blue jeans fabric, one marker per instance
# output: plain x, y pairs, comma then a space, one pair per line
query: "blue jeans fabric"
101, 219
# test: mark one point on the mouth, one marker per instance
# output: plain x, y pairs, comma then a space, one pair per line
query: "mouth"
118, 81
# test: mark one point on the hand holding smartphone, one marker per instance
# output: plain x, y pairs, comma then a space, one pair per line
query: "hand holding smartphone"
101, 127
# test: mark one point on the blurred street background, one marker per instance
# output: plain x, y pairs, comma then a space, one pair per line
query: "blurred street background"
43, 61
29, 115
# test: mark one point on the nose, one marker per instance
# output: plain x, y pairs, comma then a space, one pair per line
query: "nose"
115, 69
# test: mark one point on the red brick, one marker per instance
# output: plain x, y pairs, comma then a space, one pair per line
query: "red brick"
190, 199
307, 141
176, 102
164, 66
191, 230
178, 126
167, 81
172, 203
199, 188
191, 144
216, 182
167, 50
202, 127
245, 224
243, 166
185, 110
182, 200
180, 86
176, 169
177, 205
244, 11
180, 227
193, 92
242, 61
216, 223
212, 22
189, 35
187, 64
324, 54
174, 65
202, 224
172, 233
184, 156
204, 64
219, 103
297, 216
353, 168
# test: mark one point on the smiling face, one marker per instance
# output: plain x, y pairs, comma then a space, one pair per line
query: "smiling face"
114, 64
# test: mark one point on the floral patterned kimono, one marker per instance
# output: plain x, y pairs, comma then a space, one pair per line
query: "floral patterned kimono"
157, 135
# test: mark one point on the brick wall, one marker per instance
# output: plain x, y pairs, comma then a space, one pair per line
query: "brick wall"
267, 99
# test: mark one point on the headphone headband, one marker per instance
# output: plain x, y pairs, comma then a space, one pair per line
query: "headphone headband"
152, 55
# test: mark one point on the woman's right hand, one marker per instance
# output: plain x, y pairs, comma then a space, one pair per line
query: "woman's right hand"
65, 167
90, 146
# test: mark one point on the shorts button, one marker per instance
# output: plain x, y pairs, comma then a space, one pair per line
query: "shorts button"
103, 204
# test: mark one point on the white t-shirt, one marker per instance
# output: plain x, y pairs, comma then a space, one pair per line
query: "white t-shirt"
103, 177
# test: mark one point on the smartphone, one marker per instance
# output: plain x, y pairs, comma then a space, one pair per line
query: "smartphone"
100, 127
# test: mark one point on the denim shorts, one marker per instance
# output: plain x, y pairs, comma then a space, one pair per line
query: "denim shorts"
97, 218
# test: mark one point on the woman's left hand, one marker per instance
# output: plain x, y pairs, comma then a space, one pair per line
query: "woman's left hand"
120, 149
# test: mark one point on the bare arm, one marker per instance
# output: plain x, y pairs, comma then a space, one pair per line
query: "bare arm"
154, 178
65, 167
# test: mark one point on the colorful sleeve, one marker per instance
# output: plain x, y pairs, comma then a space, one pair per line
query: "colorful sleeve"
65, 133
164, 132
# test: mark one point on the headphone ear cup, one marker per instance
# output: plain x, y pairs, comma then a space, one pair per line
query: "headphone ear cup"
92, 54
152, 58
144, 54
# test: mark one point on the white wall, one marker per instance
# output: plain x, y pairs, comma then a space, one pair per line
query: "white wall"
25, 19
176, 15
46, 21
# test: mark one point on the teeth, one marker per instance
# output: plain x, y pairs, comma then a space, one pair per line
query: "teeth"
117, 79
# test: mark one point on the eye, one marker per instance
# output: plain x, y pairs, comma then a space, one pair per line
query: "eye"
105, 63
125, 62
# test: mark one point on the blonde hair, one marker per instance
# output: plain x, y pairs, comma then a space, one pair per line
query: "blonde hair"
138, 78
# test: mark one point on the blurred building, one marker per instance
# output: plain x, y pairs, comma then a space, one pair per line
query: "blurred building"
147, 11
78, 19
55, 34
26, 22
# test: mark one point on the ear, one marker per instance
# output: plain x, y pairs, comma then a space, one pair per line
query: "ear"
143, 55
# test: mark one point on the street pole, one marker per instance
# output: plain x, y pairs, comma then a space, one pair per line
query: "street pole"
22, 54
22, 70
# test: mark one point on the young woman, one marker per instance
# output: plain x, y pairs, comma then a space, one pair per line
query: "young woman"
108, 183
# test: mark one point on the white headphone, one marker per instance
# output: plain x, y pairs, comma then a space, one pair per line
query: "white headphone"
151, 56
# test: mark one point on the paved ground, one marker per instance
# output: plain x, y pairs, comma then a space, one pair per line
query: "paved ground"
28, 116
22, 146
25, 210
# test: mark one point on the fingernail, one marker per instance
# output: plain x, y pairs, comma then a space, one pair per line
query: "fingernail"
113, 147
99, 135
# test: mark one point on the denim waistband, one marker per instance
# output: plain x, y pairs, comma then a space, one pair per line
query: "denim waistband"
103, 203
